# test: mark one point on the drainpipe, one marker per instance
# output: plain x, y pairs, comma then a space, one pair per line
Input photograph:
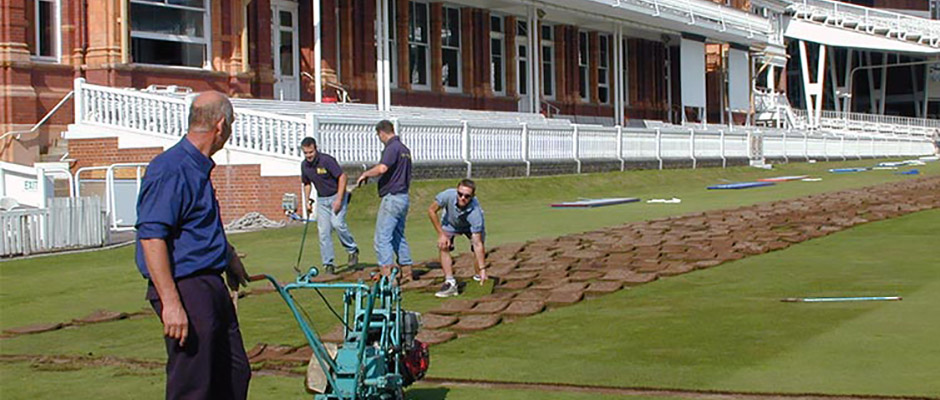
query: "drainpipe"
692, 147
620, 148
465, 147
659, 147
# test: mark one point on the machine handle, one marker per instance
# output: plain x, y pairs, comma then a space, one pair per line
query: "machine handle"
255, 278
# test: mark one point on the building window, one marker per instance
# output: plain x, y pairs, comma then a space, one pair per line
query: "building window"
626, 69
392, 43
522, 54
450, 49
583, 66
603, 70
497, 48
45, 17
548, 61
170, 32
418, 44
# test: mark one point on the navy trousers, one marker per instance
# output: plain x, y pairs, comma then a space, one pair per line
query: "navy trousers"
212, 364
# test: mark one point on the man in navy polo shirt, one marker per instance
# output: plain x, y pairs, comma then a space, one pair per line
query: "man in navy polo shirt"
462, 216
395, 180
182, 251
328, 177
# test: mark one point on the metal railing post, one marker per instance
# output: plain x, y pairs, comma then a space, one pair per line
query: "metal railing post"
659, 147
525, 149
620, 148
575, 148
786, 159
79, 100
721, 148
465, 147
692, 147
842, 145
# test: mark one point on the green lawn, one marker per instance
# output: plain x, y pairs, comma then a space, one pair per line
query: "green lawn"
59, 288
725, 328
716, 329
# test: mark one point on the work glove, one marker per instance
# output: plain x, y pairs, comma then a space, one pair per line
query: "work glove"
235, 274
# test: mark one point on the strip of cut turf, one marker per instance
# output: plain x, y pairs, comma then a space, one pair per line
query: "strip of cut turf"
725, 328
59, 288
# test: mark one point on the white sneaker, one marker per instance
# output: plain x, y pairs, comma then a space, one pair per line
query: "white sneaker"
448, 289
477, 278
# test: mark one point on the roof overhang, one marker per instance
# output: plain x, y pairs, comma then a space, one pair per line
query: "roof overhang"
675, 17
841, 37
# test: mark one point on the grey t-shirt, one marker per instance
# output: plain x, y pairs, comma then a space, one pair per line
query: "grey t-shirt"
460, 220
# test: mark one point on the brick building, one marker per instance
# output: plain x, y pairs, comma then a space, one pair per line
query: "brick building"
465, 54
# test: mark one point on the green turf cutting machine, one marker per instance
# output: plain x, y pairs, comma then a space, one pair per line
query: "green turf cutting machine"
379, 355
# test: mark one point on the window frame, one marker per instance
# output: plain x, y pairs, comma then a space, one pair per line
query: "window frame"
426, 46
206, 30
458, 50
56, 36
584, 65
522, 42
603, 66
501, 37
547, 43
625, 66
392, 33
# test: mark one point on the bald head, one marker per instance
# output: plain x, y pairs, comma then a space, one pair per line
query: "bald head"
207, 110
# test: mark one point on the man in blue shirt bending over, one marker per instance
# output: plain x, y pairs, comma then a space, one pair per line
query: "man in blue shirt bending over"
322, 170
462, 216
182, 251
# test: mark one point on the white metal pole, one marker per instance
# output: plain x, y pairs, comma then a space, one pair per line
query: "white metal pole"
317, 52
386, 62
380, 54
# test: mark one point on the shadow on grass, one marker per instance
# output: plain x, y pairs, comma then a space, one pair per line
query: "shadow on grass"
434, 393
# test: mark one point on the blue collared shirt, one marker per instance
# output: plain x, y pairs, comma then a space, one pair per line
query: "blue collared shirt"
177, 203
323, 172
460, 220
397, 179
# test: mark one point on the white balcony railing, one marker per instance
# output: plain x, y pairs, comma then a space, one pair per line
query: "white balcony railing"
870, 20
447, 141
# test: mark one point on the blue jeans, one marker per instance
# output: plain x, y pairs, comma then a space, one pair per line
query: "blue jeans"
390, 231
327, 222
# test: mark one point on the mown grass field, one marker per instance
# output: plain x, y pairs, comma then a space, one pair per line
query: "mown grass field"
720, 329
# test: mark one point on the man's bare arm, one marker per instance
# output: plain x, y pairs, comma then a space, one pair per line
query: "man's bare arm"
175, 321
377, 170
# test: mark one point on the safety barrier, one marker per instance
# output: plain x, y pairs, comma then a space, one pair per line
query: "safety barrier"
65, 223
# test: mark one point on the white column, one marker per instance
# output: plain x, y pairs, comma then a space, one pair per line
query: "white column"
380, 33
813, 91
535, 61
317, 53
884, 85
926, 90
386, 63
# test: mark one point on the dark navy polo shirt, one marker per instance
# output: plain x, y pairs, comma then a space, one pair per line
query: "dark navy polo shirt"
177, 203
323, 172
397, 158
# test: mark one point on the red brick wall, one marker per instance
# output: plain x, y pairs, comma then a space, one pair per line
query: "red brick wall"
239, 188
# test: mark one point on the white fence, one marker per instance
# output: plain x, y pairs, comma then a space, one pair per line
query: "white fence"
443, 140
65, 223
